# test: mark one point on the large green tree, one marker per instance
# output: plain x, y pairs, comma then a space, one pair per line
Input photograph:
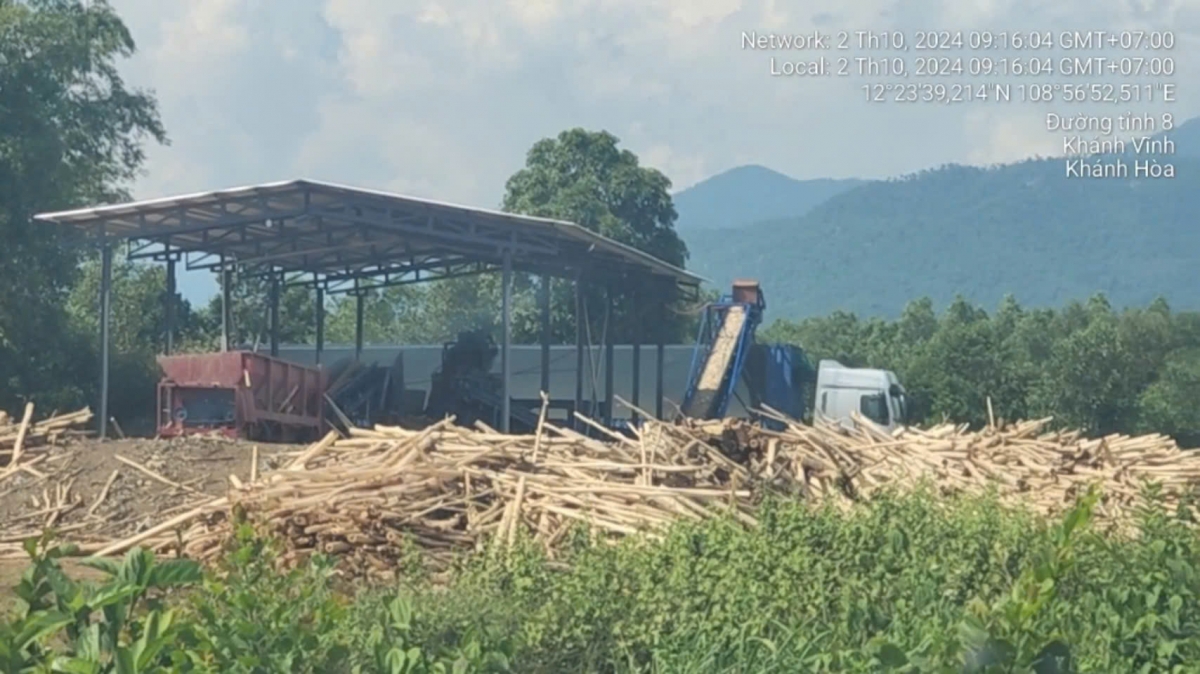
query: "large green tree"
1172, 403
579, 176
585, 177
71, 133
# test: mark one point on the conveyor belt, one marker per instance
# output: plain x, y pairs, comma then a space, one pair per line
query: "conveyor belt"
716, 364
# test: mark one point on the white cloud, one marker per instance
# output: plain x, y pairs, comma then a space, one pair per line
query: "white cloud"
684, 169
1001, 139
443, 97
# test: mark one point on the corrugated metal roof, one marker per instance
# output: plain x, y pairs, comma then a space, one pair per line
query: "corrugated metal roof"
190, 220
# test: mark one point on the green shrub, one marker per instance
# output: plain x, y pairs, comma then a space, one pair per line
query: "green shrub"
921, 582
915, 583
117, 626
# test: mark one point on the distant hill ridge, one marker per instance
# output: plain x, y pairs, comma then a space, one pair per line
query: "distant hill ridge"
749, 194
1022, 228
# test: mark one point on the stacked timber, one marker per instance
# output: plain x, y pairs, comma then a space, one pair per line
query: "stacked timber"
21, 439
1024, 463
371, 496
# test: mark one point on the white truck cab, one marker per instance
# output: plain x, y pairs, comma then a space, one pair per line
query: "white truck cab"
876, 394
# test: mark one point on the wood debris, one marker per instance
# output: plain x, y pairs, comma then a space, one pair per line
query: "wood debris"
96, 492
370, 497
448, 489
21, 440
1024, 463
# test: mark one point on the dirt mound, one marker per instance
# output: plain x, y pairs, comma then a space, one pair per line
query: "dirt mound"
93, 491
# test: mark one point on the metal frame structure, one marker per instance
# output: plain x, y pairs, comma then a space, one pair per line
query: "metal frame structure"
341, 239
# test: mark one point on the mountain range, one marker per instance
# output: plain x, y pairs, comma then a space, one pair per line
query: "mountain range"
749, 194
1025, 229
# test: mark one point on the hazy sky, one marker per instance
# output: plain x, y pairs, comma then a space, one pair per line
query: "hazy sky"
442, 99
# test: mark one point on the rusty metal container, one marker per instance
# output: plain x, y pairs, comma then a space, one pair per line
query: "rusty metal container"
746, 291
240, 394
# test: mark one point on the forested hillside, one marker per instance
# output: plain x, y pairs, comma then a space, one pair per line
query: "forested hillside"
750, 194
1023, 229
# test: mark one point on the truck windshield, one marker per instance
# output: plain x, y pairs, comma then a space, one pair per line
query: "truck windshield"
875, 407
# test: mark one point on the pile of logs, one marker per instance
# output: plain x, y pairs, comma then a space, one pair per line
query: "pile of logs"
367, 498
375, 494
1024, 463
20, 440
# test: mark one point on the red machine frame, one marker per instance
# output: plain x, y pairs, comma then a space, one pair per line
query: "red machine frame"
245, 394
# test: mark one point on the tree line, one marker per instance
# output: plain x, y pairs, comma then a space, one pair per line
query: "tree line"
1088, 365
72, 134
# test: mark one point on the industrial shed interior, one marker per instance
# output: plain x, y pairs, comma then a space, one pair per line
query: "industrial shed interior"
340, 239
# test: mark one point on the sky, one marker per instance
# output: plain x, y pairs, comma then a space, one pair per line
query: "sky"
443, 99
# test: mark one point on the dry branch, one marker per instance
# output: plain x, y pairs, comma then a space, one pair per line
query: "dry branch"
447, 489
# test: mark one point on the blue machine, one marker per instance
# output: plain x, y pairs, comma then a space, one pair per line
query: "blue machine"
786, 377
777, 375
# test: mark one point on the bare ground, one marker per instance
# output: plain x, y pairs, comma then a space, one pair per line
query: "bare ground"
79, 470
76, 473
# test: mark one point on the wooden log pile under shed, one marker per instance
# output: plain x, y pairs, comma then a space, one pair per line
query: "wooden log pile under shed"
448, 489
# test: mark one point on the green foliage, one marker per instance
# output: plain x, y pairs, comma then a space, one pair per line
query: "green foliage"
103, 627
982, 232
395, 645
250, 314
436, 312
1172, 403
915, 583
1087, 365
251, 619
71, 134
584, 177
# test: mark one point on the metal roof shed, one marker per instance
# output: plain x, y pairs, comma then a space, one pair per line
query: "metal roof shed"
337, 238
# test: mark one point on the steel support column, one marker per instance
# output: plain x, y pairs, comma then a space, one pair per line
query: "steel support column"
609, 352
360, 301
226, 306
320, 310
545, 302
169, 309
660, 347
636, 326
105, 316
274, 327
505, 345
579, 332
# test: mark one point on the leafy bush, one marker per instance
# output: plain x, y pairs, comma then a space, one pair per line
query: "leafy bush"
101, 625
915, 583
